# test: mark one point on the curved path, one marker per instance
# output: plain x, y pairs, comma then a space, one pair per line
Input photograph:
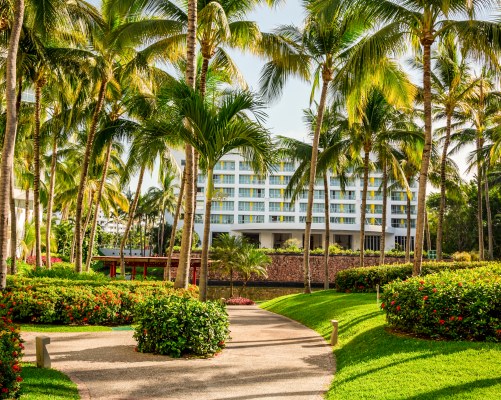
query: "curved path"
269, 357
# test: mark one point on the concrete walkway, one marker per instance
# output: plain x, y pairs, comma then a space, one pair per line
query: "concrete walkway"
269, 357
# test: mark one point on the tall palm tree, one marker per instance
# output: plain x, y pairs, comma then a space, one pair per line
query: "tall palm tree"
10, 136
422, 23
214, 131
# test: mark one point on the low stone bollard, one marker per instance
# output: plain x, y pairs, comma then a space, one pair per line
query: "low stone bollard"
335, 326
43, 357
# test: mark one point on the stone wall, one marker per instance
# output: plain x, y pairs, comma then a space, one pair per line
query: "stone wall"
288, 268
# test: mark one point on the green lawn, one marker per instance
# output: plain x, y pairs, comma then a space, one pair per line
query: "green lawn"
374, 364
46, 384
63, 328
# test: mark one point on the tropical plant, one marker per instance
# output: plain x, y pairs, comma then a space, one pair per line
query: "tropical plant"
225, 249
251, 261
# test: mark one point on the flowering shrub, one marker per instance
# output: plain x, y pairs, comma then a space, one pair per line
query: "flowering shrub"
11, 348
458, 305
365, 279
461, 256
63, 270
53, 301
239, 301
175, 326
32, 260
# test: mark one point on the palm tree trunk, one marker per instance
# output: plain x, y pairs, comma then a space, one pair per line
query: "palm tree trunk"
10, 136
50, 202
441, 211
185, 253
408, 236
36, 176
385, 210
426, 41
132, 210
364, 205
490, 237
98, 203
13, 227
427, 227
203, 75
327, 231
480, 210
83, 176
162, 234
327, 77
167, 273
204, 265
26, 208
89, 213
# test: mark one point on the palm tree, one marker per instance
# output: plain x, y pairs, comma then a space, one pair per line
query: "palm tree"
214, 131
6, 165
251, 261
225, 247
422, 23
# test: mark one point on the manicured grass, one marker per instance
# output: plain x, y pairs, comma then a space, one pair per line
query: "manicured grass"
46, 384
372, 363
63, 328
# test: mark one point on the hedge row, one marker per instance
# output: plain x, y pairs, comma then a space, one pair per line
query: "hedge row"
365, 279
458, 305
11, 348
53, 301
175, 326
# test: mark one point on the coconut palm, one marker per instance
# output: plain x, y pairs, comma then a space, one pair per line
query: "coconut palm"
251, 261
6, 165
224, 249
216, 130
420, 24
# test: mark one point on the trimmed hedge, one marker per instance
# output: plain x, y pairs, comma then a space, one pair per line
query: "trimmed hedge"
457, 305
175, 326
365, 279
55, 301
11, 348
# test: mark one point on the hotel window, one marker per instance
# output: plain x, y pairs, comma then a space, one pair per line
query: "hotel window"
402, 223
250, 206
340, 195
282, 206
373, 195
221, 219
374, 221
372, 242
282, 218
198, 219
375, 182
223, 205
402, 209
314, 220
279, 180
251, 179
224, 192
401, 243
225, 166
224, 179
401, 196
343, 208
201, 179
251, 193
245, 166
343, 220
276, 193
374, 208
317, 207
251, 219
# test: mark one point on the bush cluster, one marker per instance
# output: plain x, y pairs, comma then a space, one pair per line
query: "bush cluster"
239, 301
457, 305
61, 270
11, 348
31, 260
55, 301
365, 279
175, 326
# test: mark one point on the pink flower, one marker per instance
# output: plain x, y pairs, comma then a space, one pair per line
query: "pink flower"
425, 298
441, 322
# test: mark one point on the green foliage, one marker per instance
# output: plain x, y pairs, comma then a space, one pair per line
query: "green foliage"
64, 270
179, 236
175, 326
458, 305
64, 235
292, 244
60, 301
461, 256
11, 348
365, 279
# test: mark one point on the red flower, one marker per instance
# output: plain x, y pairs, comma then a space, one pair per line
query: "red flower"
398, 308
460, 284
452, 318
16, 367
85, 319
460, 318
383, 305
434, 290
441, 322
421, 282
434, 311
421, 287
19, 379
5, 390
393, 302
425, 298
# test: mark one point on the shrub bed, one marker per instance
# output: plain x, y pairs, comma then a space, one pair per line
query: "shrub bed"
55, 301
175, 326
11, 348
458, 305
239, 301
365, 279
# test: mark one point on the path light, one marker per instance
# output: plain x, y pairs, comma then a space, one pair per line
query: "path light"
43, 357
334, 333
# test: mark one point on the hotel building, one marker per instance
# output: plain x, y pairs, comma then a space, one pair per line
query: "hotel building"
256, 207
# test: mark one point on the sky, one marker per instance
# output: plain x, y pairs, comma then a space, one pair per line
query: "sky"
285, 115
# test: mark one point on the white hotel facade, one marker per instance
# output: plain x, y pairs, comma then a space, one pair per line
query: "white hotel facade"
255, 207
